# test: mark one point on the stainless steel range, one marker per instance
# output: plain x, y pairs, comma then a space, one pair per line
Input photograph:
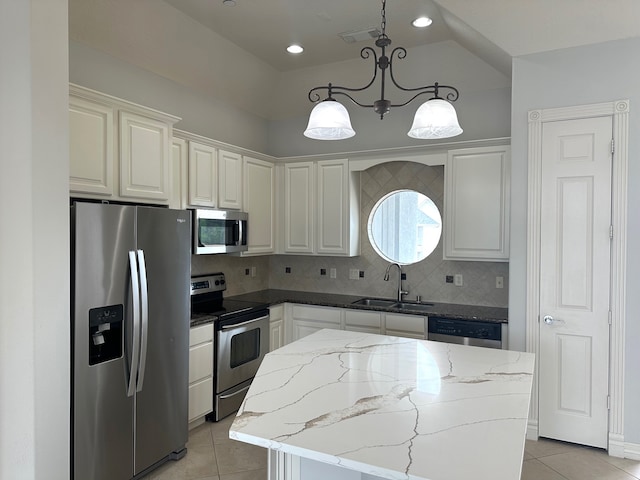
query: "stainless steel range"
241, 340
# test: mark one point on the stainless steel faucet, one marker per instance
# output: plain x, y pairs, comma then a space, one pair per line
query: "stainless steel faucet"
386, 279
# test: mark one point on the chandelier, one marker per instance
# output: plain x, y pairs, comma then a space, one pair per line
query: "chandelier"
434, 119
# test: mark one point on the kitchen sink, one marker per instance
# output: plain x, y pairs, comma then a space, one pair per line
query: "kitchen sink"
375, 302
413, 306
387, 303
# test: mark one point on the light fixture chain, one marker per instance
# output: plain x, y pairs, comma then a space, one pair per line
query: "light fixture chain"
383, 13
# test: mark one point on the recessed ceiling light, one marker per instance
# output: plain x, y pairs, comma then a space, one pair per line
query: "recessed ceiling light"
229, 3
295, 48
422, 22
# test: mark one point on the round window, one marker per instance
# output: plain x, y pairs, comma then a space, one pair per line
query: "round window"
404, 227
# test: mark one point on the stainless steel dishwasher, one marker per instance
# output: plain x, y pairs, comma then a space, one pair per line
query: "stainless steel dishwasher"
465, 332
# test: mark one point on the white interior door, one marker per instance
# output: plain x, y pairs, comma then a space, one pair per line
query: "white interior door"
575, 265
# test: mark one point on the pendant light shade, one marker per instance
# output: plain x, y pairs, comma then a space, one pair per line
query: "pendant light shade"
329, 120
436, 118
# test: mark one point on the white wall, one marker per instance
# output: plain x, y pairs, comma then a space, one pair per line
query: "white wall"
201, 113
576, 76
34, 241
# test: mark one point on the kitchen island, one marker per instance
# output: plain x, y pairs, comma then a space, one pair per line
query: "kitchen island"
349, 405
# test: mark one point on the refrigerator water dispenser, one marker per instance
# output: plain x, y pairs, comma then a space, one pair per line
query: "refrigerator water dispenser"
105, 333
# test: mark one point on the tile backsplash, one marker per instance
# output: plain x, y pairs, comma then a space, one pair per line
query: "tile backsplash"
425, 278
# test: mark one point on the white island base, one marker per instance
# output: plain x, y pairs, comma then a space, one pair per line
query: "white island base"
354, 406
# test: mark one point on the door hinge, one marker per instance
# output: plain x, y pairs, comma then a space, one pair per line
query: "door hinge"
610, 315
613, 146
610, 231
608, 402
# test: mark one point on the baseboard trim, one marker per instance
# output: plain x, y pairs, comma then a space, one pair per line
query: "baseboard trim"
632, 451
532, 430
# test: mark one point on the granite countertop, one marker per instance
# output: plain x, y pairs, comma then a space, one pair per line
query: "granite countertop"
447, 310
393, 407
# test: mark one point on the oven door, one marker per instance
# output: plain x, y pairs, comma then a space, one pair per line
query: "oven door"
242, 343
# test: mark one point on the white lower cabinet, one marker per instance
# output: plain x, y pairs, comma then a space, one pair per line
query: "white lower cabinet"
307, 319
303, 320
401, 325
362, 321
276, 327
200, 371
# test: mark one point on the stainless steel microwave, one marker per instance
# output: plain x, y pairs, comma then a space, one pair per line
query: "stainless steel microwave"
219, 231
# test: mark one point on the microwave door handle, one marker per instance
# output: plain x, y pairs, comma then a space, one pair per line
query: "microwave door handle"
135, 298
144, 315
237, 232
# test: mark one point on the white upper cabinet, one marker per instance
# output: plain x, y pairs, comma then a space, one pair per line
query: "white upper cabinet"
321, 208
337, 209
229, 180
179, 173
145, 157
203, 191
91, 147
118, 150
476, 224
299, 190
259, 203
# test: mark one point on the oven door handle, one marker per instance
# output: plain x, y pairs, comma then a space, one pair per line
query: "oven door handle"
233, 394
236, 325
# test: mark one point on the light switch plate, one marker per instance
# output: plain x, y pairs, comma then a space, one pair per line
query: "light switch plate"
457, 279
354, 274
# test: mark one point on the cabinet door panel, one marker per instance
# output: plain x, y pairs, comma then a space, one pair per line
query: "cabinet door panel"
91, 147
229, 180
276, 333
200, 399
144, 157
200, 362
259, 203
332, 207
299, 207
476, 223
202, 175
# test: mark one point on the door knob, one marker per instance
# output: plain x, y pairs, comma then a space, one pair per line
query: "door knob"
548, 319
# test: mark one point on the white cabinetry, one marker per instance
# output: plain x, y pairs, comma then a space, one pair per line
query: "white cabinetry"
91, 147
276, 327
476, 223
402, 325
203, 191
307, 319
362, 321
299, 206
179, 174
200, 371
118, 150
321, 209
303, 320
145, 157
259, 203
229, 180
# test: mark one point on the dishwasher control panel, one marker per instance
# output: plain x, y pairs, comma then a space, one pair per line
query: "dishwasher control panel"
465, 331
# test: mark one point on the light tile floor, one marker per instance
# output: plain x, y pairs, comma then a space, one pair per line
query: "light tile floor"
213, 456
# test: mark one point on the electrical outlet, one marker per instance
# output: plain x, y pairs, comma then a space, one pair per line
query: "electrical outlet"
246, 271
361, 274
448, 279
287, 269
323, 271
354, 274
332, 273
457, 279
253, 271
499, 282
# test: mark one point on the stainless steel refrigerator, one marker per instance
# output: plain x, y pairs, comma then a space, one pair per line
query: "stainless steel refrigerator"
129, 333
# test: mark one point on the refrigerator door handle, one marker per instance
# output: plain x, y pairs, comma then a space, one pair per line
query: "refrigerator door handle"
135, 344
144, 310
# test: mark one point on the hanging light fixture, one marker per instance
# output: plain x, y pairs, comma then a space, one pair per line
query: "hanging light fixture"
436, 118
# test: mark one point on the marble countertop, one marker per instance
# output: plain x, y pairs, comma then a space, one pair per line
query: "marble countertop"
392, 407
447, 310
